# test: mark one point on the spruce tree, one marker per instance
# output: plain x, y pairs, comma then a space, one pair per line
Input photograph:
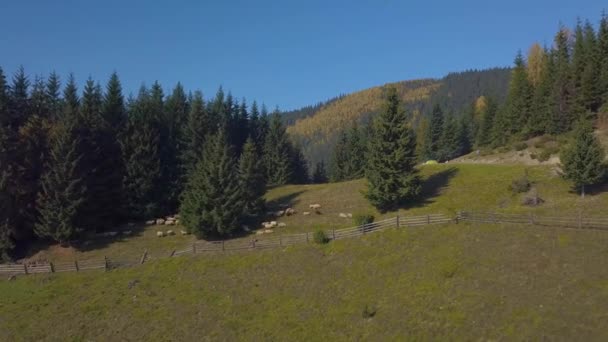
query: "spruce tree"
198, 126
582, 161
519, 100
140, 151
391, 171
298, 166
543, 102
562, 86
20, 102
435, 132
253, 184
488, 116
356, 153
6, 182
320, 174
277, 153
63, 191
173, 122
340, 159
603, 59
212, 204
589, 95
53, 95
422, 141
449, 142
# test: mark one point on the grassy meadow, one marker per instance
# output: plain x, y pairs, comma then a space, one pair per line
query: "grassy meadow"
456, 282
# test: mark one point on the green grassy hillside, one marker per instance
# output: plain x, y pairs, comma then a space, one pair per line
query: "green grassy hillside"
447, 189
459, 281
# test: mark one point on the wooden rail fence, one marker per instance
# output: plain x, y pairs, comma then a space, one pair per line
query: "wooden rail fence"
574, 222
199, 247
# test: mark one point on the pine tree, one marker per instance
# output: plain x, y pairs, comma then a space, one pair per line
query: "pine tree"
464, 137
140, 151
298, 166
198, 127
19, 99
277, 153
422, 140
356, 153
340, 159
543, 102
435, 132
320, 174
53, 95
562, 86
212, 204
174, 118
582, 162
519, 100
63, 191
449, 142
6, 180
484, 136
391, 171
602, 45
589, 95
535, 65
253, 184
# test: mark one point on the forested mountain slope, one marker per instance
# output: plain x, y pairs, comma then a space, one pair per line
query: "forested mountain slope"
316, 128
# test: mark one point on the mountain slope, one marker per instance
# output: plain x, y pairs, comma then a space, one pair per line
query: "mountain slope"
316, 128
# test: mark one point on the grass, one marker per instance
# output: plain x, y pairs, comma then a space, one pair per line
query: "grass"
447, 189
455, 282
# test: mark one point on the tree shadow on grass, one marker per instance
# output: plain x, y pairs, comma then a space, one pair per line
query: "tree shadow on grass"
283, 202
432, 187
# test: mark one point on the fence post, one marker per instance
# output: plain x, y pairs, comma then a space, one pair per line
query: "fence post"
333, 231
428, 219
223, 247
52, 267
253, 243
307, 241
281, 240
456, 219
170, 255
143, 257
580, 220
76, 265
194, 248
25, 269
398, 224
105, 260
531, 218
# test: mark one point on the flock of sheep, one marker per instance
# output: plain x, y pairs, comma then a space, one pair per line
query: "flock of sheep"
167, 221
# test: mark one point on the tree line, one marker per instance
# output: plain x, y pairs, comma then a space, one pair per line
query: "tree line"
74, 163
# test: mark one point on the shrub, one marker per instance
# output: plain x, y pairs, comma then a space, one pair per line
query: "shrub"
547, 153
533, 156
520, 146
320, 237
362, 219
503, 149
520, 185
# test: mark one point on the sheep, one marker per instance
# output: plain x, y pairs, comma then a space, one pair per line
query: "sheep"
343, 215
170, 233
160, 234
315, 206
273, 223
184, 232
160, 221
289, 211
126, 232
306, 213
282, 224
246, 228
169, 223
177, 222
268, 231
349, 215
259, 232
150, 222
279, 213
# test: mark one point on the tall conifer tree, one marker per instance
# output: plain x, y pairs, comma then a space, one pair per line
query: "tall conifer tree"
391, 172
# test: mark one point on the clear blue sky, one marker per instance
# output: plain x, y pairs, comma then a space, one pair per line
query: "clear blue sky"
285, 53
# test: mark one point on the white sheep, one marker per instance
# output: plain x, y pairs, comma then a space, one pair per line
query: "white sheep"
160, 221
170, 232
160, 234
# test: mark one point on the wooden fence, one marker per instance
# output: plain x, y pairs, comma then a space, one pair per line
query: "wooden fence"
576, 222
256, 243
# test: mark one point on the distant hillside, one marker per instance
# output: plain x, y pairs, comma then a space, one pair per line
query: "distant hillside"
316, 128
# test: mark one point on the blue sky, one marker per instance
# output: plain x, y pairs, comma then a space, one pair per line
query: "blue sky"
285, 53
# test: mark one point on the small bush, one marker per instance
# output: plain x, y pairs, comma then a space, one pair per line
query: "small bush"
533, 156
520, 185
546, 154
520, 146
362, 219
320, 237
369, 311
